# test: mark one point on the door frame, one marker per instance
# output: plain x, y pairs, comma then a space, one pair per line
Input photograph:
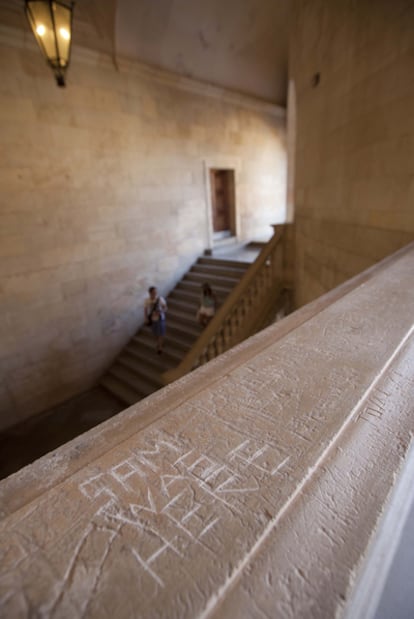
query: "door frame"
220, 163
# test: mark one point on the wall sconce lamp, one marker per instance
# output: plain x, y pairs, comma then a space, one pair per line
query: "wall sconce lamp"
51, 22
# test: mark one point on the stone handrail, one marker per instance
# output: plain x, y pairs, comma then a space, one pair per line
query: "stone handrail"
257, 485
244, 308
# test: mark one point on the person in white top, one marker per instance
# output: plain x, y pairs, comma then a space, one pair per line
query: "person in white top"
155, 307
208, 304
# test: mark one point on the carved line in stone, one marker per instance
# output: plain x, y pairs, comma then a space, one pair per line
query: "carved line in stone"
217, 481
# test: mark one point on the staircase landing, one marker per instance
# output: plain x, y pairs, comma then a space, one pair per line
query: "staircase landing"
243, 252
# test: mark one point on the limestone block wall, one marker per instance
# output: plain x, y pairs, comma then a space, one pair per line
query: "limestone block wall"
354, 187
103, 192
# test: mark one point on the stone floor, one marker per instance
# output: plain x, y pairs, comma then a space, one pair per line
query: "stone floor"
237, 251
25, 442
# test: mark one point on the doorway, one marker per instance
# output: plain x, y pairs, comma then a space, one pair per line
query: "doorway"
223, 205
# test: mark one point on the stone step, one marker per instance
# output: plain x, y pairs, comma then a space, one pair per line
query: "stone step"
122, 392
175, 302
143, 369
256, 245
190, 330
138, 383
224, 282
184, 302
208, 271
188, 293
146, 354
210, 260
172, 344
146, 350
173, 340
186, 315
194, 288
181, 335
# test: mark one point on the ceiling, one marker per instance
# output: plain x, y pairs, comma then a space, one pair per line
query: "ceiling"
241, 45
237, 44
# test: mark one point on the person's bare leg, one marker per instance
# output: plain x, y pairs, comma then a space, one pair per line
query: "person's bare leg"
203, 320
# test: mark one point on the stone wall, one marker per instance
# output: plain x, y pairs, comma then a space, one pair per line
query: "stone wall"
355, 136
102, 194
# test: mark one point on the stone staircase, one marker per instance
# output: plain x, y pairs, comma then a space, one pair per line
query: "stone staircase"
137, 371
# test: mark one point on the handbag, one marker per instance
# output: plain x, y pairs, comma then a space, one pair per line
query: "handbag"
153, 309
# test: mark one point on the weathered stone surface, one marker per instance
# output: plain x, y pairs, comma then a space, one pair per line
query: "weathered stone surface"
249, 488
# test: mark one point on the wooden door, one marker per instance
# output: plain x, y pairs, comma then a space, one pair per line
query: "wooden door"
222, 200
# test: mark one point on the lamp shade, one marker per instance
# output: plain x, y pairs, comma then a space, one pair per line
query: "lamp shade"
51, 22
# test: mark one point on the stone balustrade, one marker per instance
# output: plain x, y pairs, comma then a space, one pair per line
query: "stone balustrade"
265, 288
252, 487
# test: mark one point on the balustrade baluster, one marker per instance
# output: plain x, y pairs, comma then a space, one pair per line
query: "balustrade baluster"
211, 350
233, 323
261, 281
219, 342
249, 297
227, 333
240, 312
269, 271
275, 273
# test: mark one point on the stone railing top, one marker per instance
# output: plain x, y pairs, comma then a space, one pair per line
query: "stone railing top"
250, 487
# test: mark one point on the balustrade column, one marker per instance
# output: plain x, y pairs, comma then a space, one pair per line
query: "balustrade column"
227, 334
